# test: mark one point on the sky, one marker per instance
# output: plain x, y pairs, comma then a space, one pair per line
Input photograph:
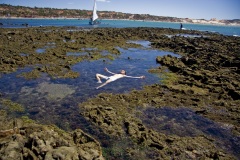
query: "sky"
194, 9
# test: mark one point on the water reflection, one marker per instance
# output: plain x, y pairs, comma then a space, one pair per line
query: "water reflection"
47, 100
145, 44
185, 122
43, 50
40, 50
77, 54
186, 35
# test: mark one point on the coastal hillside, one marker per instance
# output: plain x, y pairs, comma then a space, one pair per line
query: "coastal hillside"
9, 11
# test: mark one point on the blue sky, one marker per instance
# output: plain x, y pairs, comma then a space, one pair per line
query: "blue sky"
197, 9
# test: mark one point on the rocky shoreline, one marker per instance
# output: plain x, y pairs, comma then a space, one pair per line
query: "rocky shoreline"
205, 80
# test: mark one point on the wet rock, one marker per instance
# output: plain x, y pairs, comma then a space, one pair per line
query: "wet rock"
47, 142
172, 62
234, 94
124, 120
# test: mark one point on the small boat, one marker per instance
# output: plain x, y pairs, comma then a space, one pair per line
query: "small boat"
93, 20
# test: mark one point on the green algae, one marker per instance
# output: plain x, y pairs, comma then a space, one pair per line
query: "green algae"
12, 106
27, 120
34, 74
168, 78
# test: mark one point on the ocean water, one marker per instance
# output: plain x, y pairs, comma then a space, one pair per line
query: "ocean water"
16, 23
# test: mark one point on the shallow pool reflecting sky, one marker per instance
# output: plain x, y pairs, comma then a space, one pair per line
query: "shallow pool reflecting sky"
48, 100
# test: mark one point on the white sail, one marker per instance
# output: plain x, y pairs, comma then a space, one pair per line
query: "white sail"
95, 16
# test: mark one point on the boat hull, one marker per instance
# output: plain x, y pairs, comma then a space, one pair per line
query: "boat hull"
94, 22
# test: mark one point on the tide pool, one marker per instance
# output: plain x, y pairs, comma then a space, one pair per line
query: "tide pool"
54, 97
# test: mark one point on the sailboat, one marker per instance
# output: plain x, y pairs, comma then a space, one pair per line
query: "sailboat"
93, 20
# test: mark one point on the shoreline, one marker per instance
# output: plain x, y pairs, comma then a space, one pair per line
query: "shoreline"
63, 18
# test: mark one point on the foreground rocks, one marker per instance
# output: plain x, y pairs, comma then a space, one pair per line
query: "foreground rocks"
34, 141
205, 80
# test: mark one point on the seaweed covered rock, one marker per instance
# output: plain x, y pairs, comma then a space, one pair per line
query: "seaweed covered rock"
117, 117
173, 63
34, 141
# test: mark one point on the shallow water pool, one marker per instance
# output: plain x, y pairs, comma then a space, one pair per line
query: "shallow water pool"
185, 122
56, 101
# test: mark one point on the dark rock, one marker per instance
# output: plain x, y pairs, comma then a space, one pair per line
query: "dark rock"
47, 142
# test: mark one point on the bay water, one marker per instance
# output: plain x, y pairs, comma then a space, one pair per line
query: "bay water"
222, 29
